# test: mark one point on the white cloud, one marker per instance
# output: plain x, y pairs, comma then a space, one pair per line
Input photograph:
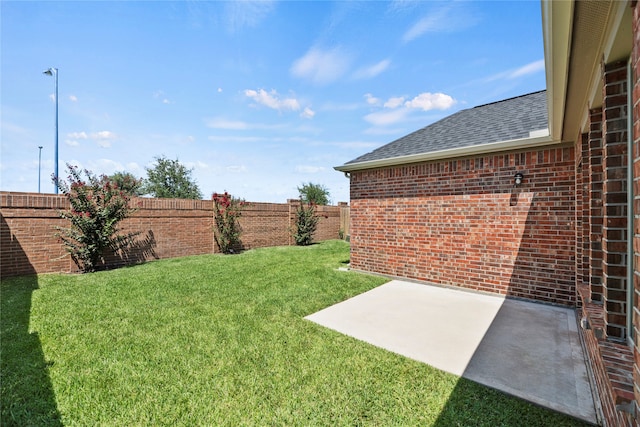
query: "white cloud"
166, 101
272, 100
103, 138
73, 98
78, 135
104, 166
321, 66
394, 102
371, 100
385, 118
196, 165
307, 113
530, 68
431, 101
309, 169
450, 18
219, 90
398, 109
372, 71
103, 134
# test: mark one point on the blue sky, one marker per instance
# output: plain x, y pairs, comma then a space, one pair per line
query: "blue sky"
256, 97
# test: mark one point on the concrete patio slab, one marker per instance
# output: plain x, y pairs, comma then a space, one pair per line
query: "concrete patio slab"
526, 349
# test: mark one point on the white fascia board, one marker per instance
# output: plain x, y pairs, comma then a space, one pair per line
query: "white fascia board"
474, 150
557, 21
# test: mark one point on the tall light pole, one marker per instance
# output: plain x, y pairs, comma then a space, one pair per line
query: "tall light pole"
54, 72
39, 164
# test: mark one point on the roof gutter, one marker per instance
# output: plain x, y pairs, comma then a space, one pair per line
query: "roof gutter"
493, 147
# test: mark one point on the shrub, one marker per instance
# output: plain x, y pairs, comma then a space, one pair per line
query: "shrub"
227, 211
97, 206
306, 224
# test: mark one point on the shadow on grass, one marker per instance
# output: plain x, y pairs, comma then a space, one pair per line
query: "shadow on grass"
471, 403
27, 395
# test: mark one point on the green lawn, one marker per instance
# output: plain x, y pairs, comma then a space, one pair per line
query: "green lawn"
220, 340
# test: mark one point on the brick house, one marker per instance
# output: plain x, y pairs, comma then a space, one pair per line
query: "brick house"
442, 204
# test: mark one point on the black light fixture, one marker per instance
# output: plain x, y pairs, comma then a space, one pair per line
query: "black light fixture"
517, 179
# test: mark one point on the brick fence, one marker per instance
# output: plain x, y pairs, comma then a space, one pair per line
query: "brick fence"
167, 228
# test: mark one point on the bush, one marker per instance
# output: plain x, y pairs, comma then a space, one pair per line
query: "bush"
97, 206
227, 211
306, 224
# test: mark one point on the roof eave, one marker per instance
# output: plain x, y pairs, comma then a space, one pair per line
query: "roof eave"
493, 147
557, 23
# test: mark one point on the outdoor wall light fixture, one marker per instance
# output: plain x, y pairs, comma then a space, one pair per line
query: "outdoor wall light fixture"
517, 179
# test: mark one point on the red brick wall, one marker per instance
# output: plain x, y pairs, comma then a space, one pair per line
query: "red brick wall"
463, 223
596, 177
168, 228
27, 244
614, 230
604, 304
598, 207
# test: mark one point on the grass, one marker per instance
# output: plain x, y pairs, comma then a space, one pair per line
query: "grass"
220, 340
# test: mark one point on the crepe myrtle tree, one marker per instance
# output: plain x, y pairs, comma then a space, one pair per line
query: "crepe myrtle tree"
97, 207
227, 211
128, 183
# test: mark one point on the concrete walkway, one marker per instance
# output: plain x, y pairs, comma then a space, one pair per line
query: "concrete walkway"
529, 350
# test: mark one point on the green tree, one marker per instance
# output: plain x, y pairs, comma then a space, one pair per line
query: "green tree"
170, 179
128, 183
314, 193
97, 206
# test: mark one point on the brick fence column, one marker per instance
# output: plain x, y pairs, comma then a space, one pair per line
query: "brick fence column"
614, 230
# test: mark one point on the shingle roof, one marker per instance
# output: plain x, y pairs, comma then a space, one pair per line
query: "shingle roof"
506, 120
